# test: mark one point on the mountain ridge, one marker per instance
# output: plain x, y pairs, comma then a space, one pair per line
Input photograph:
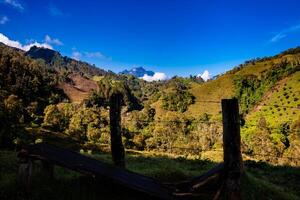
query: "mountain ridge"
137, 72
65, 64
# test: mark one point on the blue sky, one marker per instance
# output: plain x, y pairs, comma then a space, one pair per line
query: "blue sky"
177, 37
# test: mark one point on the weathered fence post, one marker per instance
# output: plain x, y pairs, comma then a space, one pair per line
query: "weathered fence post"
233, 162
117, 148
25, 172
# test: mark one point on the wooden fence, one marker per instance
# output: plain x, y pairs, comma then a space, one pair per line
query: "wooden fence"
228, 173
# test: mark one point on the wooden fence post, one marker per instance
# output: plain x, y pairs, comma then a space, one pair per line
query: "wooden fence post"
233, 162
25, 172
117, 148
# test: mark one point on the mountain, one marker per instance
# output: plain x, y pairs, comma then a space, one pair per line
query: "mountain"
267, 90
48, 55
180, 114
64, 63
137, 72
268, 93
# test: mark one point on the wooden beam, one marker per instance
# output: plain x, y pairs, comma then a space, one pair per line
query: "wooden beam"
82, 164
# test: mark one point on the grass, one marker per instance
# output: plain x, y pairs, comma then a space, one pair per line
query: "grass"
97, 78
72, 185
284, 177
165, 168
223, 87
254, 188
262, 181
214, 90
285, 93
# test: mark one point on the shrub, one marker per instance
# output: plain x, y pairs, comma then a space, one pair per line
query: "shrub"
177, 100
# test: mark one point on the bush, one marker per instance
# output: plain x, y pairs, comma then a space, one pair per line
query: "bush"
177, 100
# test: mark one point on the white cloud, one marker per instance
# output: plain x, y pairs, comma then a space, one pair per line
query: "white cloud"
158, 76
13, 43
15, 4
3, 20
76, 55
37, 44
55, 11
205, 75
5, 40
277, 37
97, 55
54, 41
283, 33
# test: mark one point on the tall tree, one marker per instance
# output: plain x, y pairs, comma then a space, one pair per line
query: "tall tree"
115, 94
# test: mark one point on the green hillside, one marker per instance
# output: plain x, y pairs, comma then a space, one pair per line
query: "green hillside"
176, 114
224, 85
172, 126
279, 105
268, 90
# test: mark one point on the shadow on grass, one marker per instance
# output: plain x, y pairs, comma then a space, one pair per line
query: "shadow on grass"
263, 181
283, 180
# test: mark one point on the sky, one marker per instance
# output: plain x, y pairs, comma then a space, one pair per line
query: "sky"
173, 37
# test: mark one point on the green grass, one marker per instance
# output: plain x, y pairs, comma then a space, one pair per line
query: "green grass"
271, 182
285, 93
214, 90
162, 167
97, 78
262, 181
223, 87
254, 188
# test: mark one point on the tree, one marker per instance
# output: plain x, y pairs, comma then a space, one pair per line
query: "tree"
178, 98
262, 123
114, 94
53, 118
85, 124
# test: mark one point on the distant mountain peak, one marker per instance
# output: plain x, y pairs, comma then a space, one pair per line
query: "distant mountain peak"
137, 72
39, 52
63, 63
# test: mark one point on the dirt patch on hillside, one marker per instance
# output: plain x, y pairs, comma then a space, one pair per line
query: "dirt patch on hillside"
78, 88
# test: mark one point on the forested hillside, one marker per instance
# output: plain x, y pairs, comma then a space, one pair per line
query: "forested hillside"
27, 86
63, 64
42, 91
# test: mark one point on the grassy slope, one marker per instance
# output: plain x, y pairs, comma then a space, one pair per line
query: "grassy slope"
213, 90
285, 93
223, 87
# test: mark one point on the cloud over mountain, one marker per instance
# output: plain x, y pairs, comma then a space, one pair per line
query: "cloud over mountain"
158, 76
205, 75
77, 55
14, 43
54, 41
48, 42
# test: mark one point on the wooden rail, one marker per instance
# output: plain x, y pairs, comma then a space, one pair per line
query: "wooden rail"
80, 163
